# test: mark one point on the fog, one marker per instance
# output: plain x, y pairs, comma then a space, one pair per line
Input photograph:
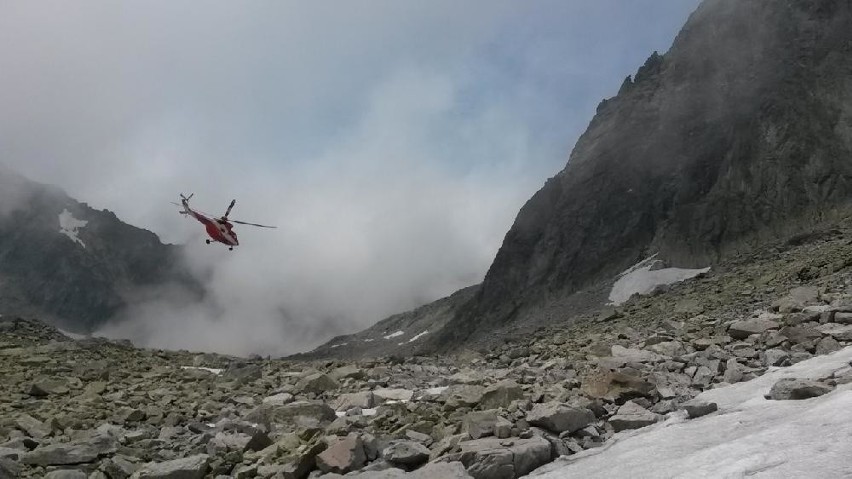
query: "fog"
392, 143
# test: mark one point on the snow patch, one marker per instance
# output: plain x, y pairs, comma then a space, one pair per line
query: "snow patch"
418, 336
338, 345
70, 226
749, 436
369, 340
393, 335
209, 370
639, 278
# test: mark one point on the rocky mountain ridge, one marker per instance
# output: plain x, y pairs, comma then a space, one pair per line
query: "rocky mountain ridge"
739, 135
69, 264
102, 409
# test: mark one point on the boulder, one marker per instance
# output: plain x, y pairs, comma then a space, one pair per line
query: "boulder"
463, 395
278, 399
791, 388
634, 355
801, 334
501, 394
242, 373
744, 329
493, 458
60, 455
45, 387
32, 426
363, 399
632, 416
558, 417
486, 423
192, 467
384, 395
827, 345
309, 413
407, 454
66, 474
696, 409
343, 456
316, 383
615, 386
435, 470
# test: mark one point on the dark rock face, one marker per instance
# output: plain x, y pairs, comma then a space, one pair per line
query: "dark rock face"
78, 285
741, 132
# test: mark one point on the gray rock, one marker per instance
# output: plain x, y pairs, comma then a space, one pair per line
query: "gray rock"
424, 439
698, 409
278, 399
797, 299
827, 345
493, 458
118, 467
801, 334
9, 469
480, 424
744, 329
45, 387
501, 394
66, 474
733, 372
60, 455
668, 348
837, 331
10, 453
558, 417
634, 355
32, 426
362, 399
463, 395
242, 373
406, 453
384, 395
312, 411
348, 371
316, 383
223, 442
615, 386
435, 470
343, 456
192, 467
790, 388
775, 357
632, 416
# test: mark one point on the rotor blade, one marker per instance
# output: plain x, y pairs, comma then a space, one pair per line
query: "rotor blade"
251, 224
228, 211
197, 211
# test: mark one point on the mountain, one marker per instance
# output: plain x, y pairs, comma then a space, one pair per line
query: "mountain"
65, 262
740, 134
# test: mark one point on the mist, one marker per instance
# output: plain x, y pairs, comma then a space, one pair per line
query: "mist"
392, 143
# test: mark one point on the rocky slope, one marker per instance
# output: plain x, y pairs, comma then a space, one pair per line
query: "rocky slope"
741, 133
70, 264
100, 409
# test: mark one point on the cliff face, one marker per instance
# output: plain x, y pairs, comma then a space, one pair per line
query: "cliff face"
741, 132
62, 260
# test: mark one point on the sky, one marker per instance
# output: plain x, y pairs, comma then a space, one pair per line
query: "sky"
392, 142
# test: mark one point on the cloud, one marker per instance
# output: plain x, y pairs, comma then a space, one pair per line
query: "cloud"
391, 142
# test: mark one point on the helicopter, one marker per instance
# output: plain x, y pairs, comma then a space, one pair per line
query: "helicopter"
221, 229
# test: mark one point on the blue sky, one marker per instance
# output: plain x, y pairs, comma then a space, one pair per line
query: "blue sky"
392, 141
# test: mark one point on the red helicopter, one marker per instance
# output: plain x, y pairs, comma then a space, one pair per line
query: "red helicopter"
219, 229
